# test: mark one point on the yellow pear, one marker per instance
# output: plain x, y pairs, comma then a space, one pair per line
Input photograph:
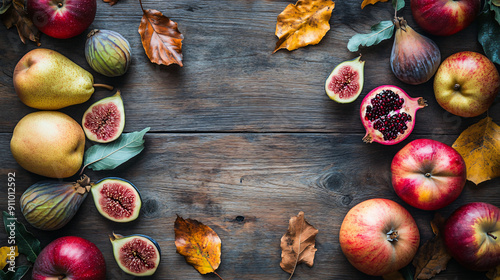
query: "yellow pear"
48, 143
45, 79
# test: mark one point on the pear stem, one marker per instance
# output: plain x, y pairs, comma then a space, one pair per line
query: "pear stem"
108, 87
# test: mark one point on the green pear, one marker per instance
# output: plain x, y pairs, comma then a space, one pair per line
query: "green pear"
48, 143
45, 79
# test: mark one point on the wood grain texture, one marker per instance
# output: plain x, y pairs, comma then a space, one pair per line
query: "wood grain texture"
243, 139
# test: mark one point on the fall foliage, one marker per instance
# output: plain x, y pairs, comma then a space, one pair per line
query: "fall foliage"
479, 145
304, 23
17, 16
366, 2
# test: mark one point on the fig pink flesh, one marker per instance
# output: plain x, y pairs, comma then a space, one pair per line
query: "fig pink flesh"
138, 255
103, 121
345, 82
117, 200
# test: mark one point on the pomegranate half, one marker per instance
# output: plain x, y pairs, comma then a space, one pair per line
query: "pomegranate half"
388, 114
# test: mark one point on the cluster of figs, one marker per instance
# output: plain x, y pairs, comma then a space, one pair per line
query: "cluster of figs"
387, 112
50, 204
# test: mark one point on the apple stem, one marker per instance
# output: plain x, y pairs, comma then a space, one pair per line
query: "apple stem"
108, 87
491, 235
392, 235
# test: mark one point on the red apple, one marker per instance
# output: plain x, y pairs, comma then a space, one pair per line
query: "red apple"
379, 236
466, 84
444, 17
472, 235
428, 174
62, 19
70, 257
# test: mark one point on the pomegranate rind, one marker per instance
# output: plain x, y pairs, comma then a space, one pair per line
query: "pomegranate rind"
117, 102
133, 204
410, 106
119, 242
355, 65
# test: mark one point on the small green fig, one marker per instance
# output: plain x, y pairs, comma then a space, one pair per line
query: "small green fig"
107, 52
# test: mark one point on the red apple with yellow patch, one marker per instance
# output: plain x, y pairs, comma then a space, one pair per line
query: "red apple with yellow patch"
428, 174
472, 235
378, 236
466, 84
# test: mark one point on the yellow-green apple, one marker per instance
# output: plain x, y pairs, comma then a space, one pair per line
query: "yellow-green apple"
70, 257
378, 236
62, 19
444, 17
466, 84
48, 143
472, 235
428, 174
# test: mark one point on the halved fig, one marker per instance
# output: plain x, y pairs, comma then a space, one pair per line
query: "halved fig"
117, 199
104, 120
137, 254
345, 83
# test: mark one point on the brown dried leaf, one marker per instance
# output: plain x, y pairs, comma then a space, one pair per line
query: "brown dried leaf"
161, 39
366, 2
494, 274
479, 145
17, 16
304, 23
199, 244
298, 244
432, 257
111, 2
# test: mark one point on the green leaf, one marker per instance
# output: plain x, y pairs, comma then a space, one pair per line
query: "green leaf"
398, 4
5, 6
496, 9
26, 243
489, 36
110, 155
380, 31
18, 273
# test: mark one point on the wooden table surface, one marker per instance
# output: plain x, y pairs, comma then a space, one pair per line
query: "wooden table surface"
239, 131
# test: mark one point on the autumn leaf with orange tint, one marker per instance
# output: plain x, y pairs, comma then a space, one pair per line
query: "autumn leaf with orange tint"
111, 2
16, 15
302, 24
479, 145
366, 2
432, 257
161, 39
199, 244
298, 244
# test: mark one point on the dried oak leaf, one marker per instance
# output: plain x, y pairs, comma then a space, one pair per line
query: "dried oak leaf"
304, 23
160, 38
366, 2
17, 16
494, 274
111, 2
432, 257
199, 244
479, 145
298, 244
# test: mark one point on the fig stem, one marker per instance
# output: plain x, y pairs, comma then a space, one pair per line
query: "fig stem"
108, 87
491, 235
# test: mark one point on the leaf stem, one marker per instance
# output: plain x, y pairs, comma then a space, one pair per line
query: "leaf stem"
218, 275
140, 2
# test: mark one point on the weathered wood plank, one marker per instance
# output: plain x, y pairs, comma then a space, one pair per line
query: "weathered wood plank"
231, 81
265, 178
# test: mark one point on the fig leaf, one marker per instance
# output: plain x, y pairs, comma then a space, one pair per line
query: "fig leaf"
298, 244
161, 39
379, 32
489, 34
366, 2
432, 257
18, 273
303, 23
26, 243
108, 156
199, 244
479, 145
398, 4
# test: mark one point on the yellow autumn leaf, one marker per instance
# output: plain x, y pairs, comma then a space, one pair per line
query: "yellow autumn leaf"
366, 2
479, 145
302, 24
4, 251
